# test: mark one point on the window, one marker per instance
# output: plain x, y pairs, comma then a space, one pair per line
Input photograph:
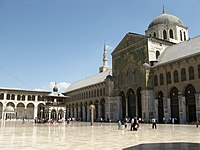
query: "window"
13, 97
104, 91
157, 54
18, 97
184, 36
155, 80
97, 92
23, 97
8, 97
2, 96
181, 36
175, 76
183, 74
191, 73
164, 34
199, 70
29, 98
100, 92
33, 98
154, 34
171, 33
161, 79
168, 75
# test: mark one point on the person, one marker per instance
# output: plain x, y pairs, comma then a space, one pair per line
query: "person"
153, 123
134, 124
119, 125
197, 123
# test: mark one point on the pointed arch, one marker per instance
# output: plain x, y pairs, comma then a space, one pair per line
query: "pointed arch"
174, 104
160, 107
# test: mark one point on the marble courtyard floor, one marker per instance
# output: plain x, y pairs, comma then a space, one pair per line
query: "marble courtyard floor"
14, 135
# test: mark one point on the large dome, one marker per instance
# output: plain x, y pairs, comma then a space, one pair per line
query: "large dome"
166, 19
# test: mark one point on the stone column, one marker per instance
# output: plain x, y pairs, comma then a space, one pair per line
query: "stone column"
127, 106
35, 111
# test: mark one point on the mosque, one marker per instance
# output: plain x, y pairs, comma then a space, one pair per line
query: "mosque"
152, 75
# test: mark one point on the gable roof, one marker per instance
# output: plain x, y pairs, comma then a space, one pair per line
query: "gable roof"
180, 51
92, 80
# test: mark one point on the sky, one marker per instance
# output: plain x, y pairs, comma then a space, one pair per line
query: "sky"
62, 41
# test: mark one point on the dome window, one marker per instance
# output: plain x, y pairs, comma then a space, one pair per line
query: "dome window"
164, 34
181, 35
184, 36
171, 33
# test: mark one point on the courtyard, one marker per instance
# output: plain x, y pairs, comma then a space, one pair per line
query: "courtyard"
17, 135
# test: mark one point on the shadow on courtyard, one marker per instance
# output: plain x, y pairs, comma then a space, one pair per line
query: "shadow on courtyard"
165, 146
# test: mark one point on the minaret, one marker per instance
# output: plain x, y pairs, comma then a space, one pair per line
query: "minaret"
164, 11
105, 61
105, 57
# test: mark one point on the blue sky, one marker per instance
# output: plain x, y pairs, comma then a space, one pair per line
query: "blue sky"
62, 40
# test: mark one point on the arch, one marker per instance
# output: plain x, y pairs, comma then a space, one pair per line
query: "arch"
81, 111
29, 97
96, 113
157, 54
161, 79
23, 97
77, 114
139, 102
123, 102
2, 96
86, 113
168, 76
10, 115
174, 104
184, 34
171, 35
30, 111
13, 97
60, 114
154, 34
176, 76
8, 96
53, 114
18, 97
10, 104
199, 71
183, 74
20, 111
160, 107
1, 110
164, 34
40, 111
102, 109
155, 80
191, 73
131, 103
190, 103
181, 37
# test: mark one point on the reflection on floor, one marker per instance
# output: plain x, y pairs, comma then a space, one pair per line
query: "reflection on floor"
15, 135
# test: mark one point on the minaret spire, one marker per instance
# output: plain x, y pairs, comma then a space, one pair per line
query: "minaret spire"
105, 57
105, 60
164, 11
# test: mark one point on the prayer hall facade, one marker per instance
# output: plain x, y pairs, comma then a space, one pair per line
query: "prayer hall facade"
152, 75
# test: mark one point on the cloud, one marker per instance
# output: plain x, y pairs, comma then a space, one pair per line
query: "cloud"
62, 86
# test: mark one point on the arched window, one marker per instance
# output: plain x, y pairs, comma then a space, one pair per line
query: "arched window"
157, 54
18, 97
29, 98
184, 36
33, 98
164, 34
171, 35
154, 34
161, 79
149, 35
199, 70
183, 74
2, 96
8, 97
175, 76
181, 38
23, 97
155, 80
13, 97
168, 75
191, 73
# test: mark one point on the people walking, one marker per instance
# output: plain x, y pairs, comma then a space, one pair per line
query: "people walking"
134, 124
154, 123
197, 123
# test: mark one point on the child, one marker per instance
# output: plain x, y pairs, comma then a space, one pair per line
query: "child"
197, 123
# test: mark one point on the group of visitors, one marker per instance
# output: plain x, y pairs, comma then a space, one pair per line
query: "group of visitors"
122, 124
